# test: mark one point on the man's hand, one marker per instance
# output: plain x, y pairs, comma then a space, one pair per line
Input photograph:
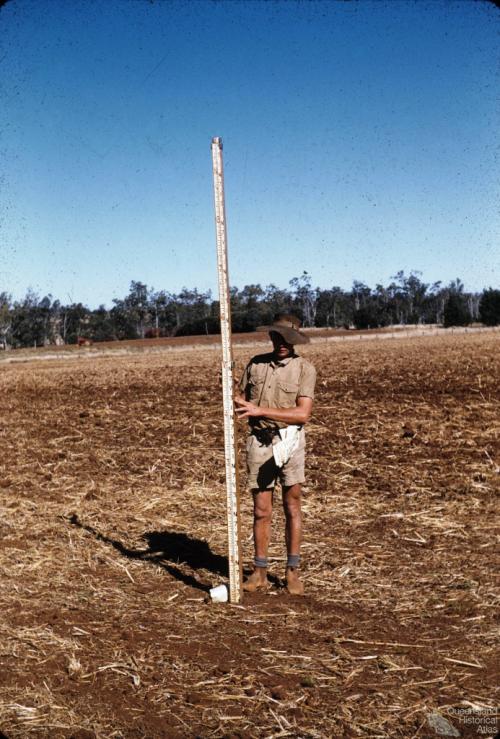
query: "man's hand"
246, 409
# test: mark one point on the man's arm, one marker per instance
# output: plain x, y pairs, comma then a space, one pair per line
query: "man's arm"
298, 415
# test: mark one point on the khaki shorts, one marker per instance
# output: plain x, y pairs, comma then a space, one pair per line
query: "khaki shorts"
261, 467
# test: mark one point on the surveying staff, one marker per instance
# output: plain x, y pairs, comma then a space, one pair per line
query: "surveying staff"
277, 397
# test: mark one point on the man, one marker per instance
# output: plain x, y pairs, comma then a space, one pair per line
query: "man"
277, 397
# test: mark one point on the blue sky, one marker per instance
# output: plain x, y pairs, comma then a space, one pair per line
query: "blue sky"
360, 138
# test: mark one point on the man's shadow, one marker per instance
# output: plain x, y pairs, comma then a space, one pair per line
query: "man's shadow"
168, 550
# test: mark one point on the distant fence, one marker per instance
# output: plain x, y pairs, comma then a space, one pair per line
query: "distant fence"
408, 334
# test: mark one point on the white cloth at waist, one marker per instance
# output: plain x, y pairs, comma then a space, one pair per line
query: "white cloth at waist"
288, 443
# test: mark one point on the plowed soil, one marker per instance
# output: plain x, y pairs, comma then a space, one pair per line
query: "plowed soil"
113, 528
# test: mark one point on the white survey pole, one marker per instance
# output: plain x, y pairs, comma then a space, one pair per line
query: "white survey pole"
232, 487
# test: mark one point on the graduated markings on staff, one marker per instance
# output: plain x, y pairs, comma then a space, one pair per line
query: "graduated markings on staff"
232, 487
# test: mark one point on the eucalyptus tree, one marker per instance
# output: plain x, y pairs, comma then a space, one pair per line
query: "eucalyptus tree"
333, 308
276, 300
247, 308
489, 307
137, 304
456, 310
32, 323
305, 298
5, 320
75, 318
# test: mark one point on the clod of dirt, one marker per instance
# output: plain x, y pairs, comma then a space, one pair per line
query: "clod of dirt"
307, 682
386, 663
5, 482
356, 472
408, 431
194, 698
278, 692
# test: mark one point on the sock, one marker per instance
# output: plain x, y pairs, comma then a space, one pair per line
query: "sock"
260, 562
293, 560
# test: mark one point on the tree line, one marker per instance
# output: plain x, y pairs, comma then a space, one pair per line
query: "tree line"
146, 313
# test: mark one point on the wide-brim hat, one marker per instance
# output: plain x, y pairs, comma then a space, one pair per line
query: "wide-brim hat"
288, 327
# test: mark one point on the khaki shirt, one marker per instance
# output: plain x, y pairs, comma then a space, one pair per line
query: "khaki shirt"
276, 384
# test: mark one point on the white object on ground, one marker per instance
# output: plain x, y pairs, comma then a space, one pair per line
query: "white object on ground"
219, 594
288, 443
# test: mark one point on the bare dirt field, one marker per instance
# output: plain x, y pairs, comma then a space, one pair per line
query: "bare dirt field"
112, 530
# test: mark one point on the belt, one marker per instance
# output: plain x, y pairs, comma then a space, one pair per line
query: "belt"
265, 436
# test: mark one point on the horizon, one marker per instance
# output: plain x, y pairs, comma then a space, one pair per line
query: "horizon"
214, 297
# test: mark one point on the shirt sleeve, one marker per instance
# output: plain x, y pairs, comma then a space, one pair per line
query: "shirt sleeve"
307, 381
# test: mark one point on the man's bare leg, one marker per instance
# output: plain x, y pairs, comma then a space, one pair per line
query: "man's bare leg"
262, 515
293, 536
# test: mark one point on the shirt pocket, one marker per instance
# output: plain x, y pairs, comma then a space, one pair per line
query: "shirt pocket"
287, 394
255, 387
